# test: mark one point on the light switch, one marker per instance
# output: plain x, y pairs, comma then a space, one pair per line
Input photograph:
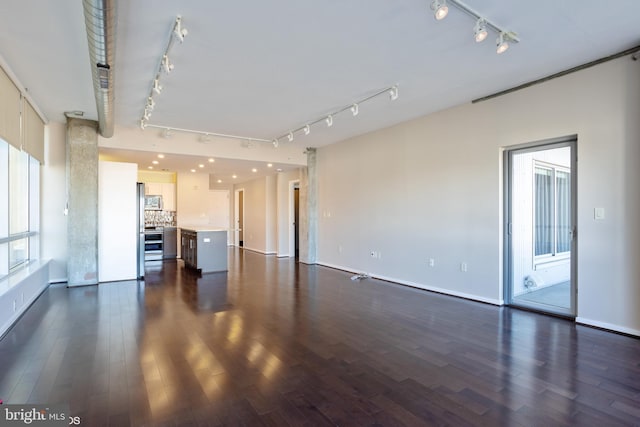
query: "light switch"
598, 213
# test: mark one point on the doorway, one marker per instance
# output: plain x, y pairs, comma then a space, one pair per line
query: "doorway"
239, 218
294, 219
540, 232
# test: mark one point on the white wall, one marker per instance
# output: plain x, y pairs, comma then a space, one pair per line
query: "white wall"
271, 212
255, 203
117, 221
432, 188
193, 202
53, 222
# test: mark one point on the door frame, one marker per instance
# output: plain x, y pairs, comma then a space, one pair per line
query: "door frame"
566, 141
236, 215
292, 228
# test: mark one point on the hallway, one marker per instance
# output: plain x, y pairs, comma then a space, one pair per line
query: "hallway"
273, 342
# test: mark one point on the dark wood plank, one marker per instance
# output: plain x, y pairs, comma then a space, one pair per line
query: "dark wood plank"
272, 342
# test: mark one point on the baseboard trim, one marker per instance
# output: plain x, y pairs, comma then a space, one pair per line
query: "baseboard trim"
608, 326
416, 285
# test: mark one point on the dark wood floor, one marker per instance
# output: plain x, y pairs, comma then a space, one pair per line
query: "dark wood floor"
276, 343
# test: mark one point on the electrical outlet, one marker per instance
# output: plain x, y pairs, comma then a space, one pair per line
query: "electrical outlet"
432, 262
463, 266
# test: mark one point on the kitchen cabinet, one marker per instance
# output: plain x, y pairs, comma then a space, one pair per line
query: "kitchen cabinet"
152, 188
204, 249
168, 192
169, 243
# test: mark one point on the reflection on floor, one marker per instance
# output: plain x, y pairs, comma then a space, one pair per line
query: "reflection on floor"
556, 295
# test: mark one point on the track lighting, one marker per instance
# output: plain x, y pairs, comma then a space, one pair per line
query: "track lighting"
167, 133
482, 24
480, 32
440, 9
502, 43
275, 142
150, 103
167, 66
156, 86
179, 32
146, 115
329, 120
354, 108
143, 125
393, 93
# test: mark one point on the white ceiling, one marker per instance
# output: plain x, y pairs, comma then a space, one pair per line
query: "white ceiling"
260, 68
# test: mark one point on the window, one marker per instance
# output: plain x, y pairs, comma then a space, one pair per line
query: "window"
552, 211
19, 206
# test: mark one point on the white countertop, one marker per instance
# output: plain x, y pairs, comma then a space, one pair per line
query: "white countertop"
198, 228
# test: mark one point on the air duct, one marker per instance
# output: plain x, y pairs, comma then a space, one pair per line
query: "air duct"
100, 21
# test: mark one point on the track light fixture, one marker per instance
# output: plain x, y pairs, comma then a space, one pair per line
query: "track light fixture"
480, 32
167, 133
502, 43
167, 66
143, 124
329, 120
179, 32
482, 24
275, 142
393, 93
354, 108
156, 86
440, 9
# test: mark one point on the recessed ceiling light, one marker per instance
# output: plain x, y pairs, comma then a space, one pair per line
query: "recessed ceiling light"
193, 170
269, 165
211, 160
219, 181
200, 165
161, 156
155, 162
234, 176
149, 167
254, 170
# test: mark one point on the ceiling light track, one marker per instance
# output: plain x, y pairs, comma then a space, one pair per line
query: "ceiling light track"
328, 119
206, 135
165, 66
482, 24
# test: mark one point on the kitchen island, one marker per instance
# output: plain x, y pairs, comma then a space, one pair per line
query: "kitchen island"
204, 248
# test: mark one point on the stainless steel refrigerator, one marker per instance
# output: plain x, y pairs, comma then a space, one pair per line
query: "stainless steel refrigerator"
140, 223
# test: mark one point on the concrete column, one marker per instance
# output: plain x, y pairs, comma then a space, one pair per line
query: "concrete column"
309, 210
82, 200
